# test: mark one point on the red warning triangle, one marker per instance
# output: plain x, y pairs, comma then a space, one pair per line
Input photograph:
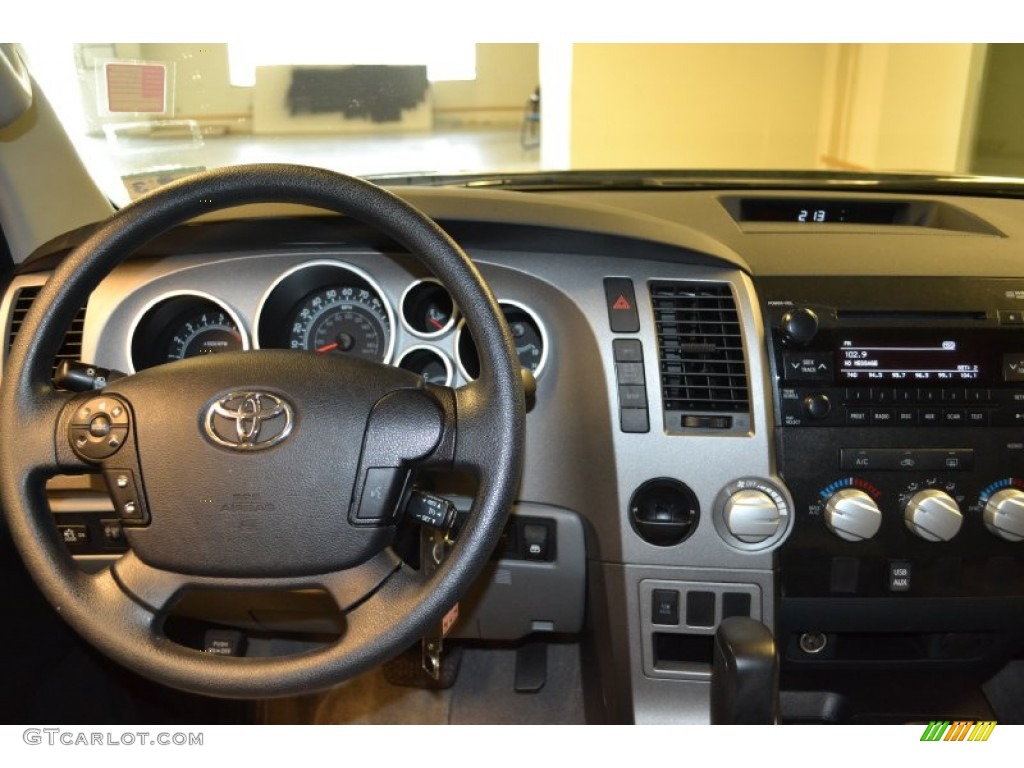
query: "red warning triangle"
621, 303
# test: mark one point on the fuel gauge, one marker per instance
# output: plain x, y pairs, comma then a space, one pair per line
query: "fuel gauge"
428, 309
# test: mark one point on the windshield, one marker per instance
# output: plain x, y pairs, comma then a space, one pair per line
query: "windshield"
142, 114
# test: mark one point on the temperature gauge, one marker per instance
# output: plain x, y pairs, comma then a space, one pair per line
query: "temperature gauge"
433, 366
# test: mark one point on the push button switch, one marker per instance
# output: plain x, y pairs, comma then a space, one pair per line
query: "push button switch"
99, 428
700, 609
622, 315
628, 351
899, 576
665, 607
382, 490
536, 541
125, 494
74, 536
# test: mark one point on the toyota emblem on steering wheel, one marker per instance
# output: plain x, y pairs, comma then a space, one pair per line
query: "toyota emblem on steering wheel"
249, 421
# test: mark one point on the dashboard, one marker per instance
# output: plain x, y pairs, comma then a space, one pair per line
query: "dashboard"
801, 407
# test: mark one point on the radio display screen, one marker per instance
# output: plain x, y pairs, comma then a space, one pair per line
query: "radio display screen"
910, 359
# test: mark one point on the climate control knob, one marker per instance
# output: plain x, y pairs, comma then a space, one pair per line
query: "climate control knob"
852, 515
933, 515
752, 516
1004, 514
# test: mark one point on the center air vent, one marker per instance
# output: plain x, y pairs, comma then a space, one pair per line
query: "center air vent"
71, 349
700, 355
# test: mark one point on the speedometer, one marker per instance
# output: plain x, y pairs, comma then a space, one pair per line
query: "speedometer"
342, 319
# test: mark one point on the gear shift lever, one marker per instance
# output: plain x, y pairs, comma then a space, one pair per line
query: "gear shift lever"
745, 674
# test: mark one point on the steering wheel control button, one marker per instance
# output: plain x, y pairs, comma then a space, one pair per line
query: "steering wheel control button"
74, 535
225, 642
113, 534
124, 492
665, 607
249, 421
621, 301
382, 492
99, 428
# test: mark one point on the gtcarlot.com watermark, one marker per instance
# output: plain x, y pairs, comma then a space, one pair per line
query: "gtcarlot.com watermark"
60, 737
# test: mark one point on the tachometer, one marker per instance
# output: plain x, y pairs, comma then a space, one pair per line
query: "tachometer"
204, 333
342, 319
185, 325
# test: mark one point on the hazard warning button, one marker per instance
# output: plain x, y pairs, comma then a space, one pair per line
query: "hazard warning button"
621, 302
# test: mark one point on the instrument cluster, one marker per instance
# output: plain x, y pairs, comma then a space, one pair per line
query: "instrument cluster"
328, 307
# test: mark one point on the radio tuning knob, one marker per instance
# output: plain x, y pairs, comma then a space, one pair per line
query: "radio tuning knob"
817, 406
1004, 514
752, 516
852, 515
799, 326
933, 515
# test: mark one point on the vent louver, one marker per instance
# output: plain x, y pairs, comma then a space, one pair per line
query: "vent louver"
700, 352
71, 349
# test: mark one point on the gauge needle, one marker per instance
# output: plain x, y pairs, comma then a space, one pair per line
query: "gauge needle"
327, 348
437, 324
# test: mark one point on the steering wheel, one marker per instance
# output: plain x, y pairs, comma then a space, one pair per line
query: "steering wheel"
267, 469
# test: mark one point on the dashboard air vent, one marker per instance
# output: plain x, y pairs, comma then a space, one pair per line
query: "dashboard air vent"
71, 349
700, 354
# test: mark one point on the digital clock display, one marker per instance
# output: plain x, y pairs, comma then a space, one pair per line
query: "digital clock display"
822, 211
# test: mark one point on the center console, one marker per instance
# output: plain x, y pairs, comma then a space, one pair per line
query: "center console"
899, 413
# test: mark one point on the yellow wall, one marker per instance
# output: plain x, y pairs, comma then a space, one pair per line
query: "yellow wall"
506, 75
696, 106
904, 106
874, 107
